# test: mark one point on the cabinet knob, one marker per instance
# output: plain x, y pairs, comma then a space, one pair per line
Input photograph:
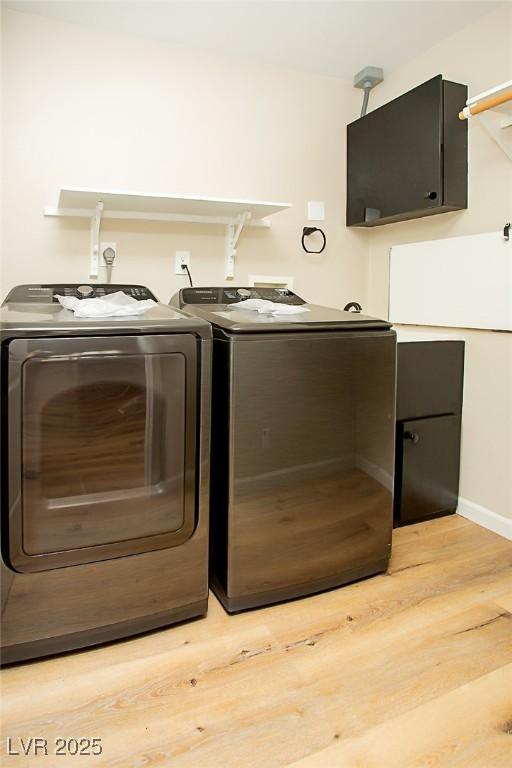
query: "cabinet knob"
412, 436
430, 195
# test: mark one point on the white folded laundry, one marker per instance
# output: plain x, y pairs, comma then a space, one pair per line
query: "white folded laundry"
117, 304
265, 307
288, 309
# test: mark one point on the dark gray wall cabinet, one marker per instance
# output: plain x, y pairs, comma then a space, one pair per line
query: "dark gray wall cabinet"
428, 412
408, 158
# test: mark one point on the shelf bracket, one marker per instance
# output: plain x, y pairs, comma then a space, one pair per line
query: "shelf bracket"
498, 130
95, 239
233, 232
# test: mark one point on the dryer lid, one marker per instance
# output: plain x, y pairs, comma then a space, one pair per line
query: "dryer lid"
317, 318
30, 309
218, 305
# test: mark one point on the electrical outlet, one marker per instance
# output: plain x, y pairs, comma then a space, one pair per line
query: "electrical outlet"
182, 260
103, 248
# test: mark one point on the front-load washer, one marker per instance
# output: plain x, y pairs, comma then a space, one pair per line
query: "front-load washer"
303, 432
104, 462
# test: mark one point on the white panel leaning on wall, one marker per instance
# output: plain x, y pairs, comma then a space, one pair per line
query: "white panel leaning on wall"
457, 282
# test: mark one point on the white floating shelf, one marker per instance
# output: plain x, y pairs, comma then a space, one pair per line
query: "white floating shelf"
98, 204
496, 119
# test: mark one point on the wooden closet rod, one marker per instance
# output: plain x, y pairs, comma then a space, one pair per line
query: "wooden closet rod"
482, 106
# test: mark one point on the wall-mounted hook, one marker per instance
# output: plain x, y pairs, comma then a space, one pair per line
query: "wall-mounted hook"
353, 306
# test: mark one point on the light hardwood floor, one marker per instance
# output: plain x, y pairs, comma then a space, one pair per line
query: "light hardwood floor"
406, 670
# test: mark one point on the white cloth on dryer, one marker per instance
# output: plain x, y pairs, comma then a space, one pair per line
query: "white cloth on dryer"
266, 307
117, 304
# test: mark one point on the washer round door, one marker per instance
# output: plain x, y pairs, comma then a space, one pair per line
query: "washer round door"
102, 447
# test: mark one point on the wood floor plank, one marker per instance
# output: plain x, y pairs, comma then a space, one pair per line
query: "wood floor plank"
470, 726
287, 683
505, 601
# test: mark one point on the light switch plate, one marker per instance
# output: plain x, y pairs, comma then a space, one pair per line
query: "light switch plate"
316, 210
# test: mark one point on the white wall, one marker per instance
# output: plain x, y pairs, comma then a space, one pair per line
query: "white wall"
480, 55
85, 107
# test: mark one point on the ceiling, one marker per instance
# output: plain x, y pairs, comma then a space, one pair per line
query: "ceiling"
335, 38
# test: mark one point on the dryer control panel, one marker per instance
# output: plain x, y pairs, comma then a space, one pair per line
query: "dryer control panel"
231, 295
46, 294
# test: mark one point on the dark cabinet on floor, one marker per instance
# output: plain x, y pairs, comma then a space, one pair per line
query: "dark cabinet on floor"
408, 158
428, 429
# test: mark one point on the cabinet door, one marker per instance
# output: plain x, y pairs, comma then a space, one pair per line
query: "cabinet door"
311, 465
428, 482
394, 157
429, 378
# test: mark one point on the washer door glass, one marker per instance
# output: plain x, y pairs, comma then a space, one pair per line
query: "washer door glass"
107, 449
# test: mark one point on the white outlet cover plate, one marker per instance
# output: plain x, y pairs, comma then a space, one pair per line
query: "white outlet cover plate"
182, 257
316, 210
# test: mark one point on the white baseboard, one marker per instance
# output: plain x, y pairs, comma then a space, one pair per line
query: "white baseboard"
485, 517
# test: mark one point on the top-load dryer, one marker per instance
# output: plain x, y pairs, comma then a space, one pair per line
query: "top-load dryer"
303, 433
104, 461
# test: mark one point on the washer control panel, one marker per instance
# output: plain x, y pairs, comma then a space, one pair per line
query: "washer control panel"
231, 295
46, 294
